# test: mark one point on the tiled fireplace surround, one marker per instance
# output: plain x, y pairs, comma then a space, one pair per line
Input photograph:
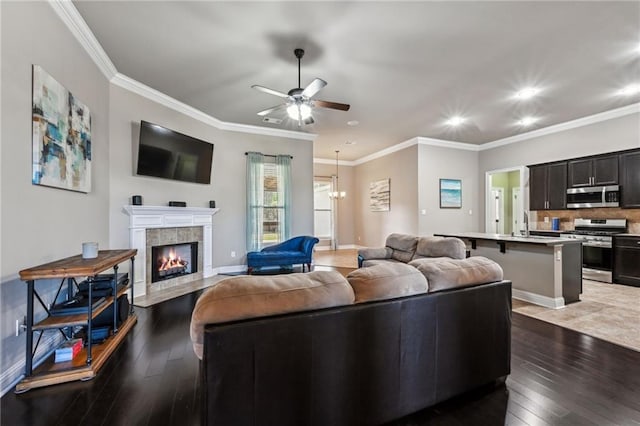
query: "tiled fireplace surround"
156, 225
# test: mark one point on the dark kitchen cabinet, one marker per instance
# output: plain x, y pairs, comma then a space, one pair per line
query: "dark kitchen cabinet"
594, 171
626, 260
548, 186
630, 179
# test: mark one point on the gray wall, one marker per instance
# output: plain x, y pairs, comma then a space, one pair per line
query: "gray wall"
346, 214
372, 228
41, 224
606, 136
227, 186
435, 163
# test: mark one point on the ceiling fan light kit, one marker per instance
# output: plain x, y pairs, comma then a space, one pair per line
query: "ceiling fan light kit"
299, 111
299, 102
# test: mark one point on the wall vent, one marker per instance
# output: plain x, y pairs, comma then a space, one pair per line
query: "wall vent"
272, 120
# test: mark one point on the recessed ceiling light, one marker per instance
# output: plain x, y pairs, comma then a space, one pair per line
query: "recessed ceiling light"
631, 89
353, 123
527, 93
527, 121
455, 121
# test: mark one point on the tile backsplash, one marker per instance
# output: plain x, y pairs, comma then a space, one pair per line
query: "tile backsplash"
567, 216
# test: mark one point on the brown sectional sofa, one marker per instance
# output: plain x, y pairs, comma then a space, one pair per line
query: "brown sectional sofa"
319, 349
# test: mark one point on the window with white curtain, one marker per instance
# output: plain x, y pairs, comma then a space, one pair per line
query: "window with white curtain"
268, 200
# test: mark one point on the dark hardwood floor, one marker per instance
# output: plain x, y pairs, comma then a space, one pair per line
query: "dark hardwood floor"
559, 377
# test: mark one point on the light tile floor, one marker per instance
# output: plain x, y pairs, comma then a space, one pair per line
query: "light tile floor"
609, 312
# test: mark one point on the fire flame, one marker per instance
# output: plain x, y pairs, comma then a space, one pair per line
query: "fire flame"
172, 261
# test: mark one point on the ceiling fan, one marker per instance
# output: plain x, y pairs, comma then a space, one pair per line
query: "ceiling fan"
299, 101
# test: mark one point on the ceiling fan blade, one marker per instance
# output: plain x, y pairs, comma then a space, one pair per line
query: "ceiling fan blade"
272, 109
309, 120
332, 105
269, 91
314, 87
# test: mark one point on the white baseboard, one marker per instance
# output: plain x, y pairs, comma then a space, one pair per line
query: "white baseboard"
229, 269
547, 302
340, 247
15, 373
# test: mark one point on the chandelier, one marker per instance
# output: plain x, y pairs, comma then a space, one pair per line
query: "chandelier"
334, 195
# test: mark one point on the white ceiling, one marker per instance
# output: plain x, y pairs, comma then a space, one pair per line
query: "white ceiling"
404, 67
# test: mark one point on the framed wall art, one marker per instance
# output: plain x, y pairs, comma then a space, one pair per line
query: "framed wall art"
450, 194
61, 136
379, 195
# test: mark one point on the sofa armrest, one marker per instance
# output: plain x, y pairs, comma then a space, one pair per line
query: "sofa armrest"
375, 253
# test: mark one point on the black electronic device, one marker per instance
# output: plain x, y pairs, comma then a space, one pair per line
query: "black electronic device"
136, 200
102, 286
177, 204
98, 334
75, 306
212, 204
106, 317
168, 154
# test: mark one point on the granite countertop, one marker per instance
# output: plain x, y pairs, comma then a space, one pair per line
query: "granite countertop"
549, 241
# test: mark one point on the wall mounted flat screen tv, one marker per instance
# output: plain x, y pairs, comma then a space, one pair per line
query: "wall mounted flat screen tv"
168, 154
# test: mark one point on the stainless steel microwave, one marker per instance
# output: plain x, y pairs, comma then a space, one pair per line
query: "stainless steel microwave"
593, 196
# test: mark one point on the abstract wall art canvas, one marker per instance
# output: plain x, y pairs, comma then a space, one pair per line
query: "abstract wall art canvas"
450, 194
61, 136
379, 194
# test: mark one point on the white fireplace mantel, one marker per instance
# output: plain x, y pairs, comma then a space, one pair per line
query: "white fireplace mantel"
143, 217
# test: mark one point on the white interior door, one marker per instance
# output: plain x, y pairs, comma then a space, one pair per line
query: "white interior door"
516, 208
495, 216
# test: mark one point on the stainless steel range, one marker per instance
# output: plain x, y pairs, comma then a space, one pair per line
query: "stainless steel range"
597, 239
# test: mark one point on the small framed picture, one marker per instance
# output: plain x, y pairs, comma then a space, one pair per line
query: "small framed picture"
450, 194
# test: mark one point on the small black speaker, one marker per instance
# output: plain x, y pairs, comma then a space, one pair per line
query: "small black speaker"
212, 204
177, 204
106, 317
136, 200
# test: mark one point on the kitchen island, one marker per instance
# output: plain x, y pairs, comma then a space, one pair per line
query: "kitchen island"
546, 271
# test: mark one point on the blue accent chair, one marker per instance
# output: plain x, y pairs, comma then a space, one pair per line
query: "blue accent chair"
297, 250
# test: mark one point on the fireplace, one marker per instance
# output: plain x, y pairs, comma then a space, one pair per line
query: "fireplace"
173, 260
160, 225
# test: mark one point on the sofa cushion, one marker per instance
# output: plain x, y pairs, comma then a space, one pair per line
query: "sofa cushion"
386, 280
256, 296
440, 247
373, 262
454, 273
403, 245
375, 253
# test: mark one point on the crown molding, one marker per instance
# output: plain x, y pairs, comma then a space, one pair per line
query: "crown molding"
333, 162
68, 13
449, 144
384, 152
70, 16
152, 94
580, 122
419, 140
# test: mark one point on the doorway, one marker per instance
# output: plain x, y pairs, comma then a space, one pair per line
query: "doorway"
504, 200
323, 216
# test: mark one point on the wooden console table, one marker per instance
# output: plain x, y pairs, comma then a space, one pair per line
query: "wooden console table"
92, 357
